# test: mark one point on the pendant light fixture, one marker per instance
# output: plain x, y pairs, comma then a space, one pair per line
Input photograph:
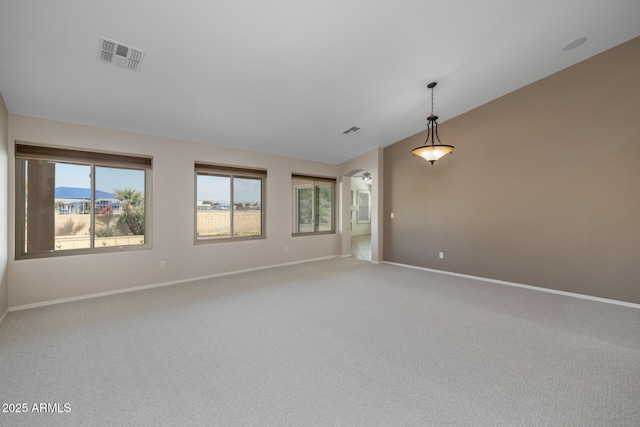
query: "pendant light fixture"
432, 151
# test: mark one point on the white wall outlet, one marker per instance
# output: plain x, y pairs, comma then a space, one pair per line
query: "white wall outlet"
441, 255
163, 264
393, 215
286, 248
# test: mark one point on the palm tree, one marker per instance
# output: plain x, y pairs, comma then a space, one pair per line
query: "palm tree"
133, 209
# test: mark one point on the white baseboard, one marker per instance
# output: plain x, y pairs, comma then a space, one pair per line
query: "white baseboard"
155, 285
350, 256
4, 316
520, 285
228, 273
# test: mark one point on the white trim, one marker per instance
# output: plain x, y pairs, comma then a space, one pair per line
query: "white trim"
520, 285
4, 316
155, 285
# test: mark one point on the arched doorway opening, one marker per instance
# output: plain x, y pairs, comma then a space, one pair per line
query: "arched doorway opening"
360, 220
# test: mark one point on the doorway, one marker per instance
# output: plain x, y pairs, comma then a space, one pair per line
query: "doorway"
361, 215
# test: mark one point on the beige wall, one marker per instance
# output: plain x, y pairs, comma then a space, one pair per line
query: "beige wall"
38, 280
4, 199
543, 188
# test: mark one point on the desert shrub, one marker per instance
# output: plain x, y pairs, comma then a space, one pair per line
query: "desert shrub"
108, 231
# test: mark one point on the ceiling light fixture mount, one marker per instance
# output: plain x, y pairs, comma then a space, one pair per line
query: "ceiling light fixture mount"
574, 44
432, 151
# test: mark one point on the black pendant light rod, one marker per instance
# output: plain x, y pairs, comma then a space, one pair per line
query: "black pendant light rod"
433, 119
432, 152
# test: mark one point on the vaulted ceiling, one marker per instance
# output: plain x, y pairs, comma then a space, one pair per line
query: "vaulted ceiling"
289, 76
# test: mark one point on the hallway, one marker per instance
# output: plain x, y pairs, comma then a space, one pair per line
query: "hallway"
361, 247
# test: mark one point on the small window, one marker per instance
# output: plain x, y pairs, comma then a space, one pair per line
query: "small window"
313, 205
229, 203
364, 206
71, 201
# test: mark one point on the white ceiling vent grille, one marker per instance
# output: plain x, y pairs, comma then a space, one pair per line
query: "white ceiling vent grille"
119, 54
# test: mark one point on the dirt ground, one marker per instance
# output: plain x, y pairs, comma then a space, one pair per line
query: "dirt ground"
72, 231
213, 223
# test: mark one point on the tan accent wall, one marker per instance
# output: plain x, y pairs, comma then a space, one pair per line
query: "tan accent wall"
543, 187
4, 201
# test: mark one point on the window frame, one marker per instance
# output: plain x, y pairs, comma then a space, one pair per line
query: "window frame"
364, 210
314, 181
25, 151
231, 172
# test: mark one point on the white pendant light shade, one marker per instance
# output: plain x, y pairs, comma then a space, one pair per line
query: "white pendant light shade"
432, 153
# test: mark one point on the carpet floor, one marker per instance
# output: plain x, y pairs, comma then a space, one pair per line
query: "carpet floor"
338, 342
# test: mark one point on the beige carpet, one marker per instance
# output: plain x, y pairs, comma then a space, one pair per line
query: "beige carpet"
328, 343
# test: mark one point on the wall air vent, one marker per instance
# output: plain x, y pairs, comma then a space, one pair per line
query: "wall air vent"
121, 55
352, 130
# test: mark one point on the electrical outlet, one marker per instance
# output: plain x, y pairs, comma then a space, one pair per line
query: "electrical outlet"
286, 248
441, 255
393, 215
163, 264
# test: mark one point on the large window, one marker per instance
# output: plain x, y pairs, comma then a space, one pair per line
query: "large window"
313, 205
229, 203
71, 201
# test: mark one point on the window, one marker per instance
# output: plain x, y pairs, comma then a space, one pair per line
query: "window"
313, 205
364, 206
71, 201
229, 203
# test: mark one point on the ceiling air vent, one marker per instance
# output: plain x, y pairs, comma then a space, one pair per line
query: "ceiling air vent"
351, 130
119, 54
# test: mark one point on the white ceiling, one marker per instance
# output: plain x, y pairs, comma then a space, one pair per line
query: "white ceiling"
289, 76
